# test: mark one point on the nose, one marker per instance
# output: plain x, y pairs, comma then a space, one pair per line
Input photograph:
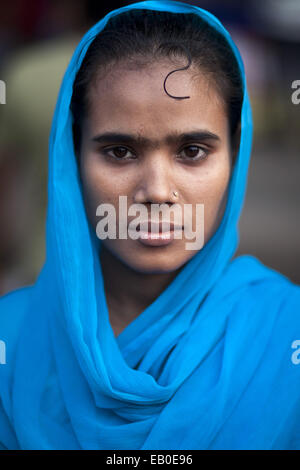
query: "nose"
155, 181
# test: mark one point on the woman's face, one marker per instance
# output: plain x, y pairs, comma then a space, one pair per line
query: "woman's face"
167, 145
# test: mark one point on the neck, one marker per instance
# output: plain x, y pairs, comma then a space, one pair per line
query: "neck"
129, 292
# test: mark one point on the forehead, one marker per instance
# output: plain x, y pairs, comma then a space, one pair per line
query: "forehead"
134, 98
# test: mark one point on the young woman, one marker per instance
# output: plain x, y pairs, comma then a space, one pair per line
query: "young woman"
149, 342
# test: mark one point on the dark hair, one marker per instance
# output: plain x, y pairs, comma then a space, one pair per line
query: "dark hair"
137, 36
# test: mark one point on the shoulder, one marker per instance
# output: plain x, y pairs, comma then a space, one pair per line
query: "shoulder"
268, 287
246, 277
13, 307
251, 271
272, 281
261, 295
270, 302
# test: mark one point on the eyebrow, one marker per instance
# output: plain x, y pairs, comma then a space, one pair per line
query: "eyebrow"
111, 137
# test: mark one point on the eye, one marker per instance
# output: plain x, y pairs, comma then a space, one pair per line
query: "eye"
119, 153
194, 152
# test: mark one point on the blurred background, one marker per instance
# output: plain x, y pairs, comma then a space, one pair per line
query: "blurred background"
37, 39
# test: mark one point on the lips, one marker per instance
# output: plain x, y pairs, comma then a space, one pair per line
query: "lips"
157, 227
160, 234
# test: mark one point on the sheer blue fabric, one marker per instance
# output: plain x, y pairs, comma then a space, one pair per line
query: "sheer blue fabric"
210, 364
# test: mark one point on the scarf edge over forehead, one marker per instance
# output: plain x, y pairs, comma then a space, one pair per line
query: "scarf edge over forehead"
69, 383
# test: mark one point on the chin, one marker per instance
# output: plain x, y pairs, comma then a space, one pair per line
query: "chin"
154, 262
150, 260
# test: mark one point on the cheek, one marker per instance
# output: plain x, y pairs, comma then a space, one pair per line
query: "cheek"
216, 198
209, 187
101, 184
96, 187
216, 190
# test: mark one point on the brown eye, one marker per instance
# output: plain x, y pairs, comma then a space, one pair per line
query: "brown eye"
194, 152
120, 152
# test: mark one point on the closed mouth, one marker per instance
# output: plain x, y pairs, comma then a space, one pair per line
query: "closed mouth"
157, 227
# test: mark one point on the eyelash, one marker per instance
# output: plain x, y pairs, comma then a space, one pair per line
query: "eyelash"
197, 158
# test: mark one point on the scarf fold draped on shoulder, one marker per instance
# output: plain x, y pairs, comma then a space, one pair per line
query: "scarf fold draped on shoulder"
210, 364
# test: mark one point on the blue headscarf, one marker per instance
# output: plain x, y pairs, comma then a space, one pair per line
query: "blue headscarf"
210, 364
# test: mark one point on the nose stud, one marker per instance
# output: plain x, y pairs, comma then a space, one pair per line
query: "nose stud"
175, 193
